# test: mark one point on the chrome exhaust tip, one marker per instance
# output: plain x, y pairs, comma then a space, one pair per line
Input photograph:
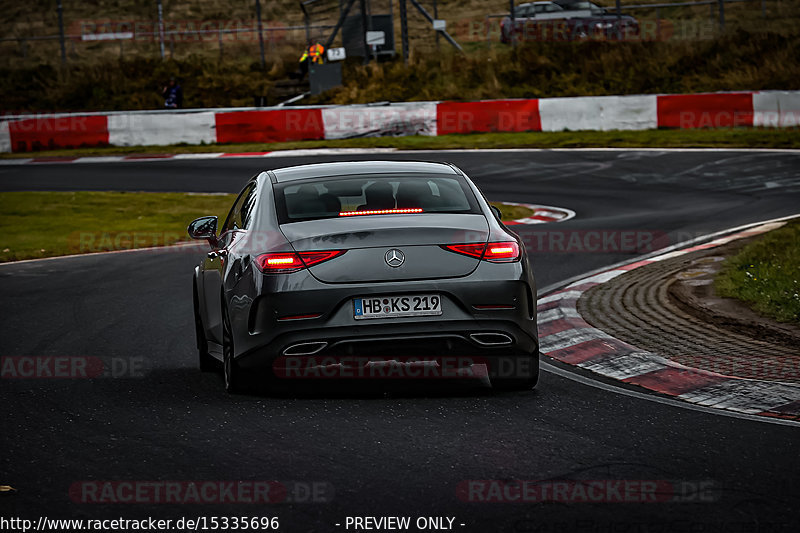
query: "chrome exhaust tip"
305, 348
491, 339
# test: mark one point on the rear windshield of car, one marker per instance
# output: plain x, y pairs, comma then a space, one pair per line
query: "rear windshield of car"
341, 197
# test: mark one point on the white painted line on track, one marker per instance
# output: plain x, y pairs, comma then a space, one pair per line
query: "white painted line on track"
102, 159
198, 156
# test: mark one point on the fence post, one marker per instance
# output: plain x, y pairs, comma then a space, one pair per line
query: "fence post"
658, 24
404, 30
161, 29
721, 14
260, 35
365, 27
436, 16
512, 30
444, 33
307, 21
619, 21
61, 34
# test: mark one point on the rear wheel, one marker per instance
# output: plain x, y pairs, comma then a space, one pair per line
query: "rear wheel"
232, 372
524, 375
204, 359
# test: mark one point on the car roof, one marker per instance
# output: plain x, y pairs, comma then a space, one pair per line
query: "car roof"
324, 170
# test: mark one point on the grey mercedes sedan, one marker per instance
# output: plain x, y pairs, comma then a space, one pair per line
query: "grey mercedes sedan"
372, 269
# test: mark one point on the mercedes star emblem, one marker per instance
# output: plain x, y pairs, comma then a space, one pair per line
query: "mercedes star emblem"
394, 258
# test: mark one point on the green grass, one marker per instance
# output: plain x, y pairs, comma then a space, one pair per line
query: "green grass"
513, 212
50, 224
47, 224
765, 274
722, 138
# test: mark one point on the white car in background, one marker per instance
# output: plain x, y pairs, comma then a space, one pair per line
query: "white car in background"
583, 17
542, 11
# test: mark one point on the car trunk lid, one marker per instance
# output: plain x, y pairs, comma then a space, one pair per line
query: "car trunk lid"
389, 247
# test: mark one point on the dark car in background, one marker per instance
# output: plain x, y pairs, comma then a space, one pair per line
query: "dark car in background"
360, 263
566, 20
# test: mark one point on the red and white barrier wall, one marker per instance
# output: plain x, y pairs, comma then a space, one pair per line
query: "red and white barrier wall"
777, 109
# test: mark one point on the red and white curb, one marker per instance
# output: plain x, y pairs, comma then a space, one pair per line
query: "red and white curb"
566, 337
32, 132
541, 214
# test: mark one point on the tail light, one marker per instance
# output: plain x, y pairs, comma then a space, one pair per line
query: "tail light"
495, 252
472, 250
500, 252
284, 262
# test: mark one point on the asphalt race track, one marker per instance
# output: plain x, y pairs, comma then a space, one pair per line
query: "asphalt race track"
388, 451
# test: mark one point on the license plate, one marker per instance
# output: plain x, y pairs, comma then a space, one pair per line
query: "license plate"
397, 306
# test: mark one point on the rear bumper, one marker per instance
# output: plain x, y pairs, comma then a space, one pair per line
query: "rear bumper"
487, 316
424, 341
409, 351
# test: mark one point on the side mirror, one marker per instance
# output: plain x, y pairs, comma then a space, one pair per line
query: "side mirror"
496, 212
204, 228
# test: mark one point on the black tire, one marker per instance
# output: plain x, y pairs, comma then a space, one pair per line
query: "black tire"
234, 380
529, 372
205, 360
